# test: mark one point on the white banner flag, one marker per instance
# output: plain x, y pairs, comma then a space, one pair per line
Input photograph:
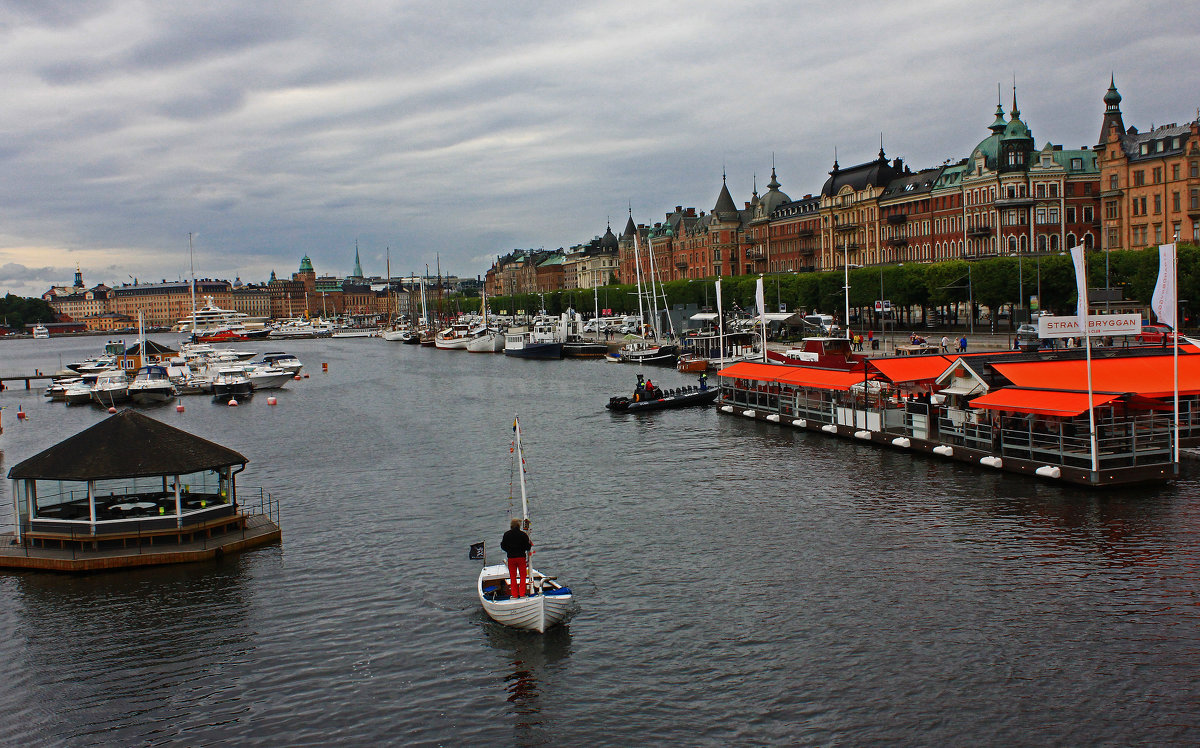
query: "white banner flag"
720, 314
758, 296
1166, 295
1080, 281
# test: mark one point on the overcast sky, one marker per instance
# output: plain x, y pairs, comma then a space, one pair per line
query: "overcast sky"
470, 129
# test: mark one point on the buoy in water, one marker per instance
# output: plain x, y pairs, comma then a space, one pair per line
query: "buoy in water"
324, 366
20, 414
297, 377
178, 408
112, 409
233, 403
306, 375
270, 401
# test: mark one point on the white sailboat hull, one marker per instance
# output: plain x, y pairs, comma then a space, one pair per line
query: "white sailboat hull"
531, 613
492, 342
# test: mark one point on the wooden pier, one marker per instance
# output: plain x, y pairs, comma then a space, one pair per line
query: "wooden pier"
26, 378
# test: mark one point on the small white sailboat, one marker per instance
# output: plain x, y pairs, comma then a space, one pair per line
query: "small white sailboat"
545, 602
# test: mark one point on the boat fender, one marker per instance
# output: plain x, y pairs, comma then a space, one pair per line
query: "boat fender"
559, 591
178, 408
943, 450
1049, 471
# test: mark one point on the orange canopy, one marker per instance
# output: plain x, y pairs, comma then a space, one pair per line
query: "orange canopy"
1041, 402
910, 368
1151, 376
799, 376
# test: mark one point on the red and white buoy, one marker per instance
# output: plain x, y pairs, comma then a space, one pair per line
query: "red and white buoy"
233, 403
112, 409
178, 408
270, 401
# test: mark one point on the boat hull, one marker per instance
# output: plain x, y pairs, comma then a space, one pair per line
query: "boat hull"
584, 350
686, 399
536, 612
536, 350
235, 390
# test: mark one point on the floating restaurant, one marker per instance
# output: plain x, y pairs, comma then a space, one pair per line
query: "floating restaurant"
1017, 412
132, 491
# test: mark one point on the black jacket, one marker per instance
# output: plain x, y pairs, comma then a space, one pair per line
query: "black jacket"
516, 543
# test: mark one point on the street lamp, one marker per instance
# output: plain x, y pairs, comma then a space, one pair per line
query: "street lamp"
846, 287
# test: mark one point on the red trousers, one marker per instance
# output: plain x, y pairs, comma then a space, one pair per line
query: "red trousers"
518, 576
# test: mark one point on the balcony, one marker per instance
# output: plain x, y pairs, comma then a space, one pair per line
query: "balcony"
894, 218
805, 232
980, 231
755, 253
681, 263
1014, 202
897, 241
846, 227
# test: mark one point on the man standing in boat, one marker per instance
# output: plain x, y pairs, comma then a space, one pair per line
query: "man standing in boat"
517, 545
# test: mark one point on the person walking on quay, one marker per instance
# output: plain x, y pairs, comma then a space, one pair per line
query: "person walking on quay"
962, 344
517, 545
945, 344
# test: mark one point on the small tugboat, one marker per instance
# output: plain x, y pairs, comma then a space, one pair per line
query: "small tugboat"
649, 397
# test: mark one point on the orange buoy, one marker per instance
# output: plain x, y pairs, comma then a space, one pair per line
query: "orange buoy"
324, 366
233, 403
297, 377
270, 401
20, 414
112, 409
178, 408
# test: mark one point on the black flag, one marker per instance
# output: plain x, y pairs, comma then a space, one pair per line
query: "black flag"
477, 552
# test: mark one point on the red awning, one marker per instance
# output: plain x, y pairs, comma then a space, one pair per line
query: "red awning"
1041, 402
1151, 376
910, 368
799, 376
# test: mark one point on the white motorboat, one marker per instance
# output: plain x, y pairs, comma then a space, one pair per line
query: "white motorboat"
356, 332
491, 341
281, 360
546, 602
264, 377
111, 387
543, 339
231, 382
80, 391
152, 385
40, 331
302, 328
456, 336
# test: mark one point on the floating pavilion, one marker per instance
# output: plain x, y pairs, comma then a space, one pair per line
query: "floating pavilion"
132, 491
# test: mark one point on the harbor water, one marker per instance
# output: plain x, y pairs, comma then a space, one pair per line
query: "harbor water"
737, 582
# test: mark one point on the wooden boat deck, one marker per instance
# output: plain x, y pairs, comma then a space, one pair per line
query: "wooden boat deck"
63, 552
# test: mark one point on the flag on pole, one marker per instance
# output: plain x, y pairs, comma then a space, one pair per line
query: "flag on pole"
719, 313
758, 296
1165, 300
1081, 283
477, 553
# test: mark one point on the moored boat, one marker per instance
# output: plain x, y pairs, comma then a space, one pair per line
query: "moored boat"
152, 385
544, 602
648, 397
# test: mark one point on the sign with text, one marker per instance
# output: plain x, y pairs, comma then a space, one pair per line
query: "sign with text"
1098, 324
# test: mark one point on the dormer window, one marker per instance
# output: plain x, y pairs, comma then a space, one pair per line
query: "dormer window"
1047, 160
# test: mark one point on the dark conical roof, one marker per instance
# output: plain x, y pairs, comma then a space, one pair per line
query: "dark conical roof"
630, 228
724, 204
609, 240
126, 445
1113, 97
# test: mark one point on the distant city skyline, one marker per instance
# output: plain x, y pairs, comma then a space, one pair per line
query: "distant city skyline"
468, 131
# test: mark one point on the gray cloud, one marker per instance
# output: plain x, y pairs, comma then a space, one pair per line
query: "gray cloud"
465, 130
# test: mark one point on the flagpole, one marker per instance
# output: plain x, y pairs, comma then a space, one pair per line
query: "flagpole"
720, 325
1175, 334
762, 310
1080, 258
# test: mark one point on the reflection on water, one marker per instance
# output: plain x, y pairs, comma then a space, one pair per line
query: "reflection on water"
526, 660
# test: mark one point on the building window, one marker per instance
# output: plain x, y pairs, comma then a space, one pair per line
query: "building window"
1071, 215
1157, 204
1174, 171
1139, 176
1076, 164
1088, 215
1175, 202
1053, 215
1040, 190
1112, 181
1041, 215
1158, 172
1054, 190
1194, 200
1158, 233
1194, 168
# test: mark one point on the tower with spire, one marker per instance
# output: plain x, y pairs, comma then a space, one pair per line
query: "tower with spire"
1112, 114
358, 272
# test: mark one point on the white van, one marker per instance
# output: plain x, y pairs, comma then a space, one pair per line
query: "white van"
820, 321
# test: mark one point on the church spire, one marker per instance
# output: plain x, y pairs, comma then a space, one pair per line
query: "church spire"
358, 273
997, 125
1016, 112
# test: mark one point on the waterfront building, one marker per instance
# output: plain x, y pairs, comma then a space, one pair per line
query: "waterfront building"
762, 237
251, 300
850, 213
107, 322
795, 235
163, 304
1150, 180
80, 303
907, 224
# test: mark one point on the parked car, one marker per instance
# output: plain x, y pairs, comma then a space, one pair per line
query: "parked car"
1154, 334
1028, 338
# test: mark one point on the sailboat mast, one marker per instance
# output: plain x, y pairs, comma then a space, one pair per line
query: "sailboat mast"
521, 473
192, 263
653, 294
637, 266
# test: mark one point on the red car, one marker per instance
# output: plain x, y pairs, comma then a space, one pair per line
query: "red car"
1154, 334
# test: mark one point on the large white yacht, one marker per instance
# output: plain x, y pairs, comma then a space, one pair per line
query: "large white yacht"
212, 318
